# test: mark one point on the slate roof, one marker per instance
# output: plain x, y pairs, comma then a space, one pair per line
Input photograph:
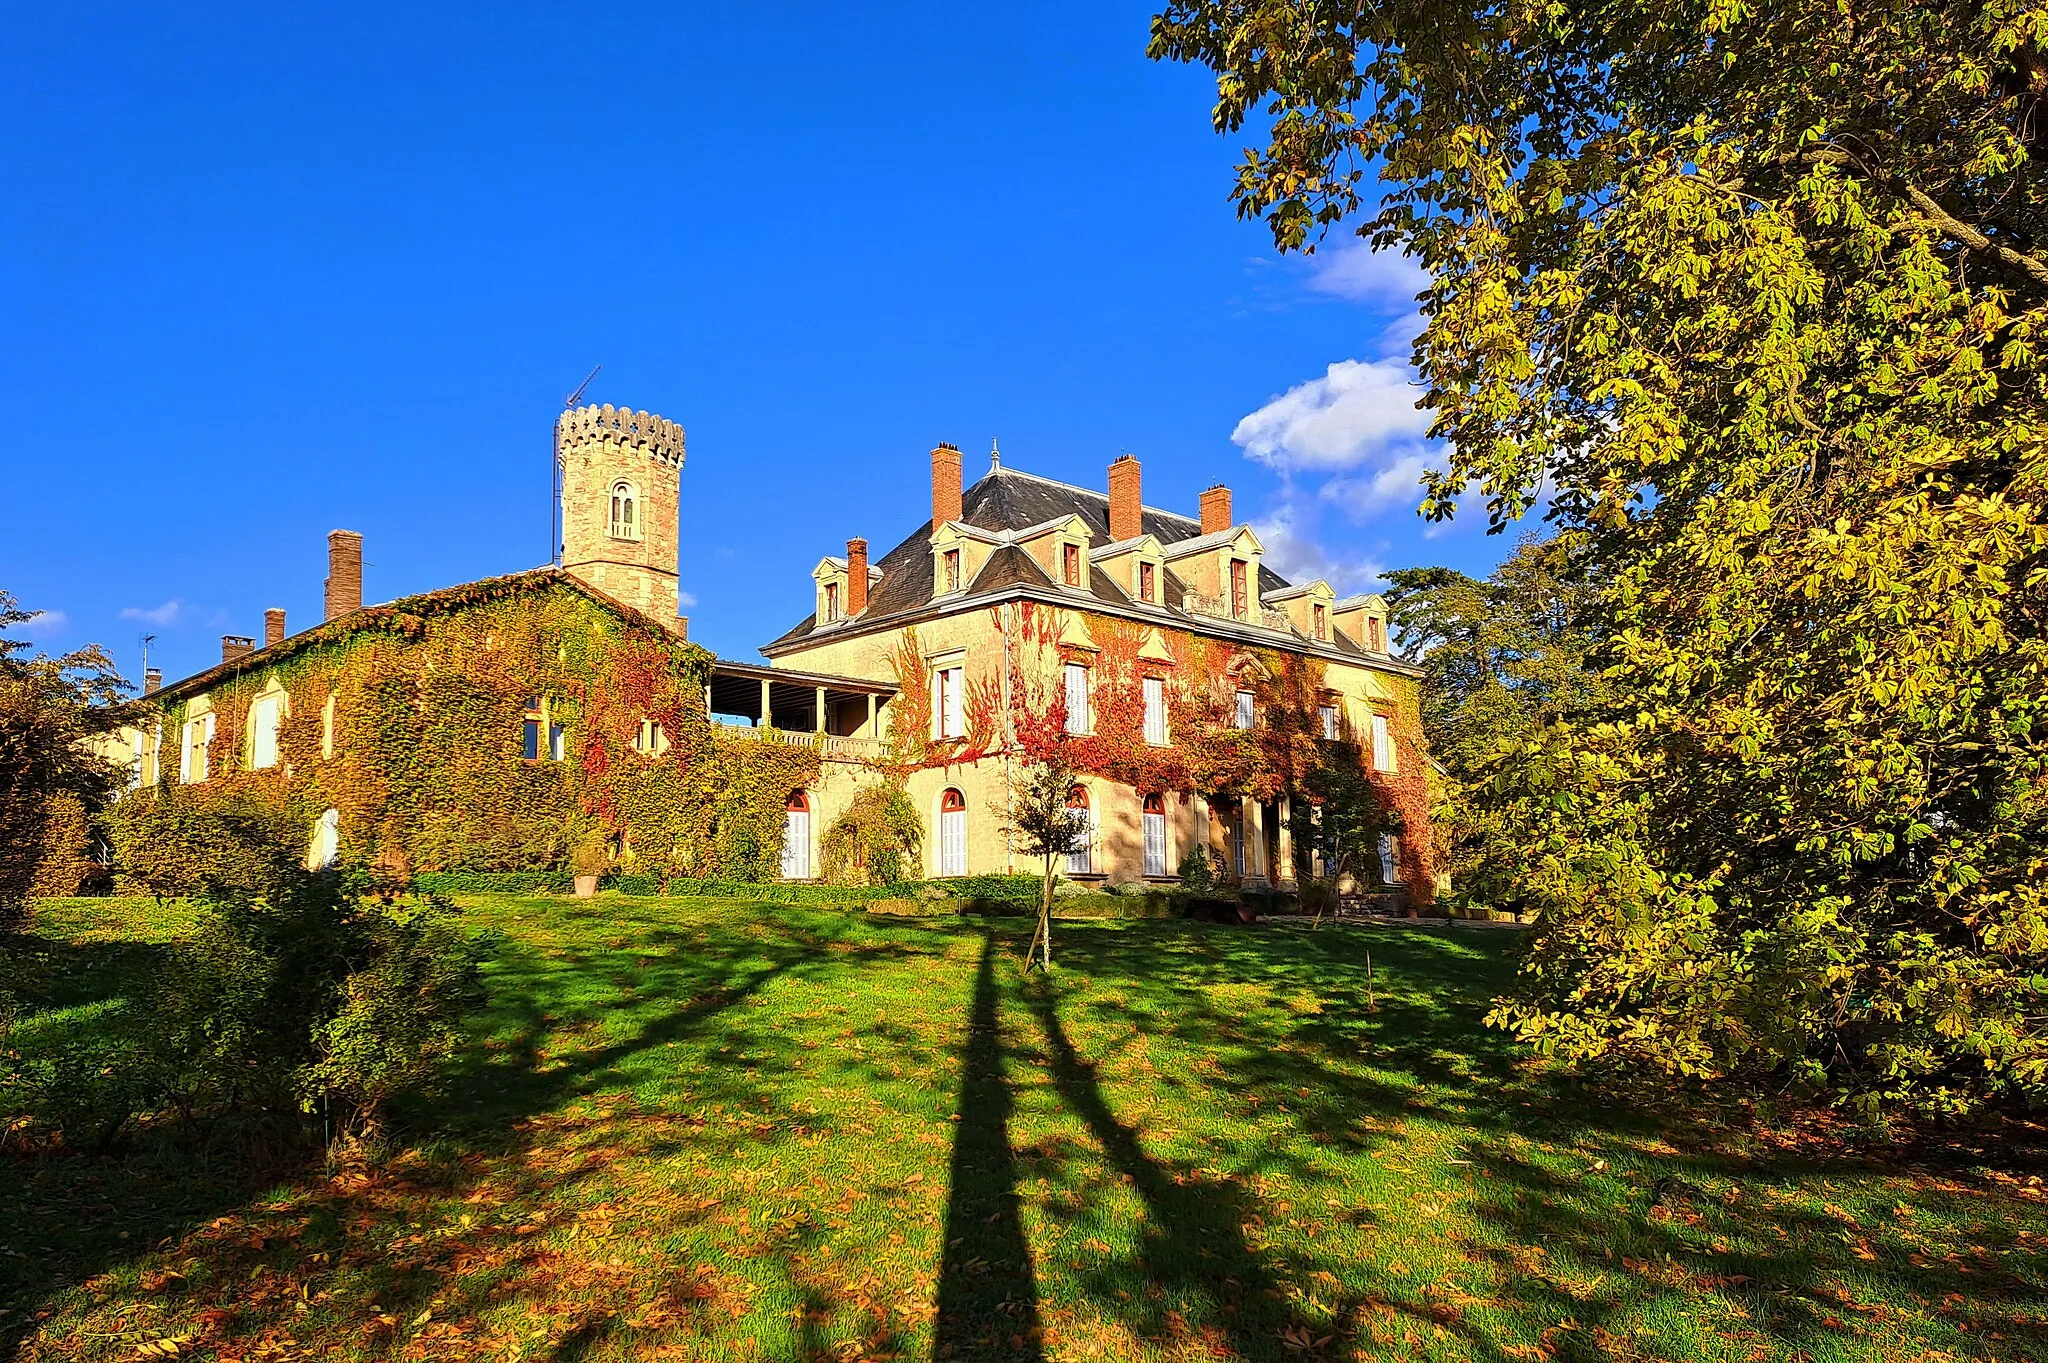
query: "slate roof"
1009, 501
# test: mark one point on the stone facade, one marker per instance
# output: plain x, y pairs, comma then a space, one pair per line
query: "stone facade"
621, 476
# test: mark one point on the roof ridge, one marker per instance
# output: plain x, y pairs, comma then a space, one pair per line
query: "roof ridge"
1076, 487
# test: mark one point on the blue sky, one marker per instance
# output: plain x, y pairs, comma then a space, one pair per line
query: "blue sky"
271, 270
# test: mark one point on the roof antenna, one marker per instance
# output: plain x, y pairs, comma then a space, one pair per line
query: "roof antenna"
995, 456
555, 474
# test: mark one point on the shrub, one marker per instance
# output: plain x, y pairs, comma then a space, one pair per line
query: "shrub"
177, 841
875, 840
1013, 887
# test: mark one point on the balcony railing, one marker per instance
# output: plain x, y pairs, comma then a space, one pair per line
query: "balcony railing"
834, 747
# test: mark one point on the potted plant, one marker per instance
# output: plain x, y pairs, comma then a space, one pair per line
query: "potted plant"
589, 861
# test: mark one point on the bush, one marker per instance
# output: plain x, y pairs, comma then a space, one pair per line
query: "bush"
177, 841
875, 840
1015, 887
494, 882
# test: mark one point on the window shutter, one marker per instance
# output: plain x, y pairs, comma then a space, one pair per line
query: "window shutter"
1077, 699
1244, 709
1382, 745
1155, 844
1155, 710
956, 723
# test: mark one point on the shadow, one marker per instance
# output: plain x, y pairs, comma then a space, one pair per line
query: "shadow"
988, 1292
1192, 1244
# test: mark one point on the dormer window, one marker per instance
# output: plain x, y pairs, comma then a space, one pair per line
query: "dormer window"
625, 522
1239, 589
1148, 583
1375, 634
1070, 564
952, 560
831, 612
1322, 623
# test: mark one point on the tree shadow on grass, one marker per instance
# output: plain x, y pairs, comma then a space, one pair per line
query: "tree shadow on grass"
988, 1290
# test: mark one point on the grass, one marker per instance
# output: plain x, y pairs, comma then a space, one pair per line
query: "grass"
708, 1130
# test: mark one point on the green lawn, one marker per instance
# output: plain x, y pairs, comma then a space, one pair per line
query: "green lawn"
701, 1129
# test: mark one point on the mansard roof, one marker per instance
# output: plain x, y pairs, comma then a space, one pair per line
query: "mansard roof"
1006, 502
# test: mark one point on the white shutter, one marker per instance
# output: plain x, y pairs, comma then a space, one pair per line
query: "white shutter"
950, 712
1382, 745
1155, 711
205, 747
1081, 861
1390, 870
953, 843
263, 744
1155, 844
796, 845
1329, 713
1244, 709
1077, 699
185, 752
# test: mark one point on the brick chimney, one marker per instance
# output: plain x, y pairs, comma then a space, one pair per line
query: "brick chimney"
233, 646
152, 680
945, 484
344, 573
273, 627
856, 576
1216, 510
1126, 503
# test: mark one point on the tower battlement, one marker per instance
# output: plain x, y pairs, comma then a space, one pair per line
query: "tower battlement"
659, 436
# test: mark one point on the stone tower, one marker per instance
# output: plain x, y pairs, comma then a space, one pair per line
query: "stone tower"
621, 478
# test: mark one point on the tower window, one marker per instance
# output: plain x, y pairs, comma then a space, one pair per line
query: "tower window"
625, 523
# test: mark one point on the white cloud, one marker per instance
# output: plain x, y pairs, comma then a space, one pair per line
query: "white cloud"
1356, 414
685, 600
1356, 271
1398, 486
43, 625
1295, 550
160, 616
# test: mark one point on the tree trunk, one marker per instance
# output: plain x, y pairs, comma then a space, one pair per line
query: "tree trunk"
1045, 914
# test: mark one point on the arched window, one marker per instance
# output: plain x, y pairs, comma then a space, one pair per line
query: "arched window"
952, 833
1081, 861
1155, 835
796, 837
625, 511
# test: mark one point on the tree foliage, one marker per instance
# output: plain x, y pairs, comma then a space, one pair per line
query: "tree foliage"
875, 839
1754, 296
50, 709
1038, 818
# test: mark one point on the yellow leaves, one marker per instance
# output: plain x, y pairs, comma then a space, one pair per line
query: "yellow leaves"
171, 1346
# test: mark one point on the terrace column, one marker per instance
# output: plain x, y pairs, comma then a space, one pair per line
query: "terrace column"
1284, 874
767, 720
819, 712
873, 732
707, 700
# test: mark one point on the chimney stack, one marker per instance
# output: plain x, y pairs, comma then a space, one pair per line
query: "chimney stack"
1126, 504
344, 573
152, 680
856, 576
945, 484
233, 646
1216, 510
273, 627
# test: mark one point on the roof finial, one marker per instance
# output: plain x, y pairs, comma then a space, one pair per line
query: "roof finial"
995, 456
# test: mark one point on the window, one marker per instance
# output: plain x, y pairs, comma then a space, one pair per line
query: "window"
1070, 564
1244, 709
530, 744
952, 833
1375, 634
1237, 839
949, 714
197, 746
1148, 585
1382, 745
1081, 861
558, 742
1077, 698
1322, 622
1155, 711
135, 764
263, 718
952, 570
648, 737
1155, 835
1238, 588
1390, 859
625, 523
831, 611
1329, 718
796, 837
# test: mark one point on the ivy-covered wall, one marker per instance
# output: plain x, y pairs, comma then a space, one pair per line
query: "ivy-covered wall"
426, 763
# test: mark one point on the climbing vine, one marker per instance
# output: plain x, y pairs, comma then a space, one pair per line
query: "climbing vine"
425, 761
